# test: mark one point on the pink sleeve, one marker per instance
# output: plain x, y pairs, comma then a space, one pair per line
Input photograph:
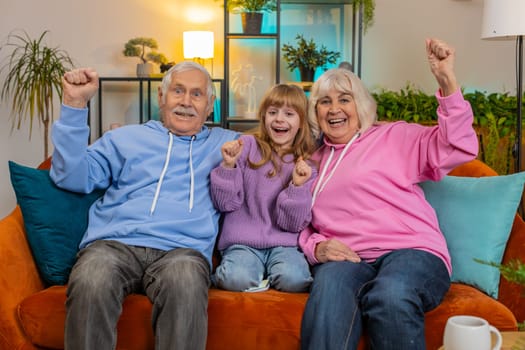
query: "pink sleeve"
308, 240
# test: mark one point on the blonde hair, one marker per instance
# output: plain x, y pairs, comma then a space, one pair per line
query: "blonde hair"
304, 143
345, 81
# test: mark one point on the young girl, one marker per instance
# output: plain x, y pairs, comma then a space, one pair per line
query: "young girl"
263, 186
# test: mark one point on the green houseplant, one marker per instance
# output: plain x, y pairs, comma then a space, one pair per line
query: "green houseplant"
251, 12
33, 77
368, 11
307, 57
494, 119
146, 50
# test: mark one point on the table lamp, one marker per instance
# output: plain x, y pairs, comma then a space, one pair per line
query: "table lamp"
505, 19
198, 45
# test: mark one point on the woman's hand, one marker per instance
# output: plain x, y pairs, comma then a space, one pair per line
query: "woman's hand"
334, 250
441, 59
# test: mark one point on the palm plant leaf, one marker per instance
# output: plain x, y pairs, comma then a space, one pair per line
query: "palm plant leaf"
33, 78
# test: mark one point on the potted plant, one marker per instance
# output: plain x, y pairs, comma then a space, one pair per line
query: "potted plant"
251, 12
145, 49
307, 56
368, 11
33, 77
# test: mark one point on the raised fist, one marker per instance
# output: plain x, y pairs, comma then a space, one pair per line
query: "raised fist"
231, 151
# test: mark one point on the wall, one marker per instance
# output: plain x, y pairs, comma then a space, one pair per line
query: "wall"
394, 47
94, 33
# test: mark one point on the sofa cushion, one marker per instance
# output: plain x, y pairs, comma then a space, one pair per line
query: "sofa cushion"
271, 318
235, 319
476, 216
55, 220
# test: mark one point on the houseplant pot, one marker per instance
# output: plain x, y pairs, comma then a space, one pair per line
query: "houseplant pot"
251, 12
307, 74
251, 22
144, 70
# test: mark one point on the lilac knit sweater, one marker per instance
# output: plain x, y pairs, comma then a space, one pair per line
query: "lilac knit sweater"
260, 212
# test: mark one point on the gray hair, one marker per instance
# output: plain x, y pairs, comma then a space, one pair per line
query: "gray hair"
346, 81
183, 67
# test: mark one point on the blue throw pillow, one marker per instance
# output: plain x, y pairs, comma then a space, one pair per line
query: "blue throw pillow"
55, 220
476, 217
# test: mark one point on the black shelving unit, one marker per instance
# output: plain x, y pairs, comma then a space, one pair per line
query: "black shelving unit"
144, 85
231, 118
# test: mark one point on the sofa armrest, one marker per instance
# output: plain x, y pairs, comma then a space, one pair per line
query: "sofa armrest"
512, 294
19, 278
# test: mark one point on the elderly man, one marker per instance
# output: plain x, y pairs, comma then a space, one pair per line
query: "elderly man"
154, 229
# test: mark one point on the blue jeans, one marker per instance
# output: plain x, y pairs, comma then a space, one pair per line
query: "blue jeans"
388, 298
243, 267
175, 281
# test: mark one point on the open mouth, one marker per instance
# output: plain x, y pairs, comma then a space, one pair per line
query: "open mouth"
280, 130
337, 122
183, 113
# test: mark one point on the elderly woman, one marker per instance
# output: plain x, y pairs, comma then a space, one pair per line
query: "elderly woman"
380, 259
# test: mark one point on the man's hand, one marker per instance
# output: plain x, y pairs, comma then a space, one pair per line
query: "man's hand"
231, 151
301, 172
79, 86
334, 250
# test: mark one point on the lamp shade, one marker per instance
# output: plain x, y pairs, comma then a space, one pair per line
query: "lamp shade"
503, 19
198, 44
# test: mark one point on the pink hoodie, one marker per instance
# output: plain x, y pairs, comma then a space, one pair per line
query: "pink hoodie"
373, 202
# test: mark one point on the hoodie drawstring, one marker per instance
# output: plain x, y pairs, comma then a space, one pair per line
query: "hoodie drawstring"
192, 178
164, 169
320, 184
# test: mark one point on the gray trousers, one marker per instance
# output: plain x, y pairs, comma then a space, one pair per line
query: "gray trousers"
176, 282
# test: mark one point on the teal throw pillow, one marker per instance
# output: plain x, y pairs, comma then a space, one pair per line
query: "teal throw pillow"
476, 217
55, 220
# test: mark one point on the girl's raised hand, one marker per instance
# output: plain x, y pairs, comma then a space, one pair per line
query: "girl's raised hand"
301, 172
231, 151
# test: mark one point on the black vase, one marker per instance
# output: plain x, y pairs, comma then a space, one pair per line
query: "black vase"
307, 73
251, 22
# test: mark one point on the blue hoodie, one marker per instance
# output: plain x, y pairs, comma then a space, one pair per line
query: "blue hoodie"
157, 183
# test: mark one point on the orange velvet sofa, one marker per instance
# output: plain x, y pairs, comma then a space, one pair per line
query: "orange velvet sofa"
32, 316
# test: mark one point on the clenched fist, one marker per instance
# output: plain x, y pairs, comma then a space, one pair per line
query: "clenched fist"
441, 58
231, 151
79, 86
301, 172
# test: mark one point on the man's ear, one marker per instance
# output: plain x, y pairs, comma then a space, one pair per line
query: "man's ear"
210, 106
159, 96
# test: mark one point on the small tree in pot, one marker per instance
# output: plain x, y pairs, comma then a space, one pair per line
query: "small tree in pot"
33, 78
146, 50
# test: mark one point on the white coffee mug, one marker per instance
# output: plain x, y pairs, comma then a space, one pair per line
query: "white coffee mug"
469, 333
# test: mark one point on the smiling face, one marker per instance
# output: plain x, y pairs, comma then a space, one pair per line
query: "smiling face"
337, 116
282, 124
340, 105
185, 104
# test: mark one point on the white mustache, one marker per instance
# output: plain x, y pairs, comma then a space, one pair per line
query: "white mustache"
184, 111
